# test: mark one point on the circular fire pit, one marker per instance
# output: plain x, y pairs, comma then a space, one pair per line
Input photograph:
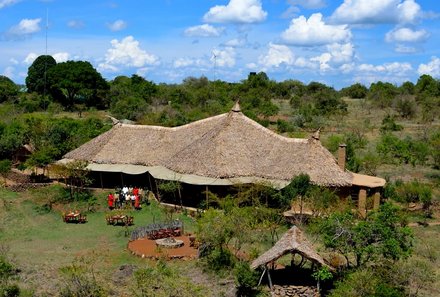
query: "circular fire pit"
169, 243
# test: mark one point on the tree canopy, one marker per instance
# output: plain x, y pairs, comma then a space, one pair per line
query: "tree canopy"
78, 82
36, 80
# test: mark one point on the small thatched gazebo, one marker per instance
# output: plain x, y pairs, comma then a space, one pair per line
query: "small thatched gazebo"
292, 242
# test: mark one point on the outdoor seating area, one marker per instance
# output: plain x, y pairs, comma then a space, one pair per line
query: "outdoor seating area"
119, 220
158, 230
74, 217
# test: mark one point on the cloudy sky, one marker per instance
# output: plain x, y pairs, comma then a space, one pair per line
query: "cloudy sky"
334, 42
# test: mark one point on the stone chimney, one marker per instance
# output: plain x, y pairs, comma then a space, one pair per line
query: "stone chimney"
342, 155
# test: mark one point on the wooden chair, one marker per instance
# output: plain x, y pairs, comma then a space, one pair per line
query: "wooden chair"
82, 219
129, 221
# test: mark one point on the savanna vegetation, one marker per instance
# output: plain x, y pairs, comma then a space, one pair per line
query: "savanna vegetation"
390, 131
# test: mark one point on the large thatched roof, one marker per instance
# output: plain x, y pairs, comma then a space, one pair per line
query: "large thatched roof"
293, 241
227, 146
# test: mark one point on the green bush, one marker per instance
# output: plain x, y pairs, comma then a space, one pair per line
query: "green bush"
246, 279
389, 124
80, 281
219, 259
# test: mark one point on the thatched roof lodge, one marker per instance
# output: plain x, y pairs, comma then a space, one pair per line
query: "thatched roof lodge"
225, 149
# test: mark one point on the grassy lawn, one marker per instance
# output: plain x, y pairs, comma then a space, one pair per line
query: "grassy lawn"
40, 242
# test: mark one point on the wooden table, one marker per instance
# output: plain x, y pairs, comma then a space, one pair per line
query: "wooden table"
74, 218
119, 220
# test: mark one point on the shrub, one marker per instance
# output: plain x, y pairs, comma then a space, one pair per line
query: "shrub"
246, 279
80, 281
219, 259
389, 124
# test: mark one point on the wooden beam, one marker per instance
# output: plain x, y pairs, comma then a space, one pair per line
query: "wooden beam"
270, 279
362, 202
376, 200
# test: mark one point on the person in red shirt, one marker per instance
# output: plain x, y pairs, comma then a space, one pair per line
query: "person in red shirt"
137, 202
136, 191
111, 201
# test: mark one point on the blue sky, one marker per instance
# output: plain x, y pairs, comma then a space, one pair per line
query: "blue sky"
334, 42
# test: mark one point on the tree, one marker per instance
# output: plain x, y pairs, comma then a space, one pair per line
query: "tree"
406, 107
355, 91
8, 89
36, 80
380, 237
5, 168
78, 81
407, 88
427, 86
382, 94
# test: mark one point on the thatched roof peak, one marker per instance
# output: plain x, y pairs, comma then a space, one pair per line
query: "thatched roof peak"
236, 107
293, 241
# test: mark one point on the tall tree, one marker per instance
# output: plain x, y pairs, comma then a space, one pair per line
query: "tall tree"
78, 81
36, 80
8, 89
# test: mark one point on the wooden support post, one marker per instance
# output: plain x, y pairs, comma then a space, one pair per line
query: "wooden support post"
376, 200
270, 279
100, 177
207, 202
362, 202
122, 180
149, 181
261, 277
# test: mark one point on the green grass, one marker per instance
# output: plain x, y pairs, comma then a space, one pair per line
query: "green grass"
41, 243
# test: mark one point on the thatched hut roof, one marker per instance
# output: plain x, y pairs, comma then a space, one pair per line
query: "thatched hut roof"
227, 146
293, 241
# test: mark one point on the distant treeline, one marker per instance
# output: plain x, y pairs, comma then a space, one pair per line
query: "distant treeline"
76, 86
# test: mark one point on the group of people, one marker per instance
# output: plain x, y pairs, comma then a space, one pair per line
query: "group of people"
126, 196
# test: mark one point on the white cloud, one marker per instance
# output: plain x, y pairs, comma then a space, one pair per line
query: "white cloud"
323, 61
394, 68
406, 35
390, 72
187, 62
224, 58
75, 24
25, 28
9, 72
236, 11
236, 42
117, 25
126, 53
277, 55
204, 30
314, 31
252, 66
4, 3
377, 12
61, 57
304, 63
341, 53
432, 68
400, 48
13, 61
30, 58
347, 68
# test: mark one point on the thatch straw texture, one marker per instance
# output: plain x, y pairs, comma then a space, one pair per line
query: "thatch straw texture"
293, 241
225, 146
